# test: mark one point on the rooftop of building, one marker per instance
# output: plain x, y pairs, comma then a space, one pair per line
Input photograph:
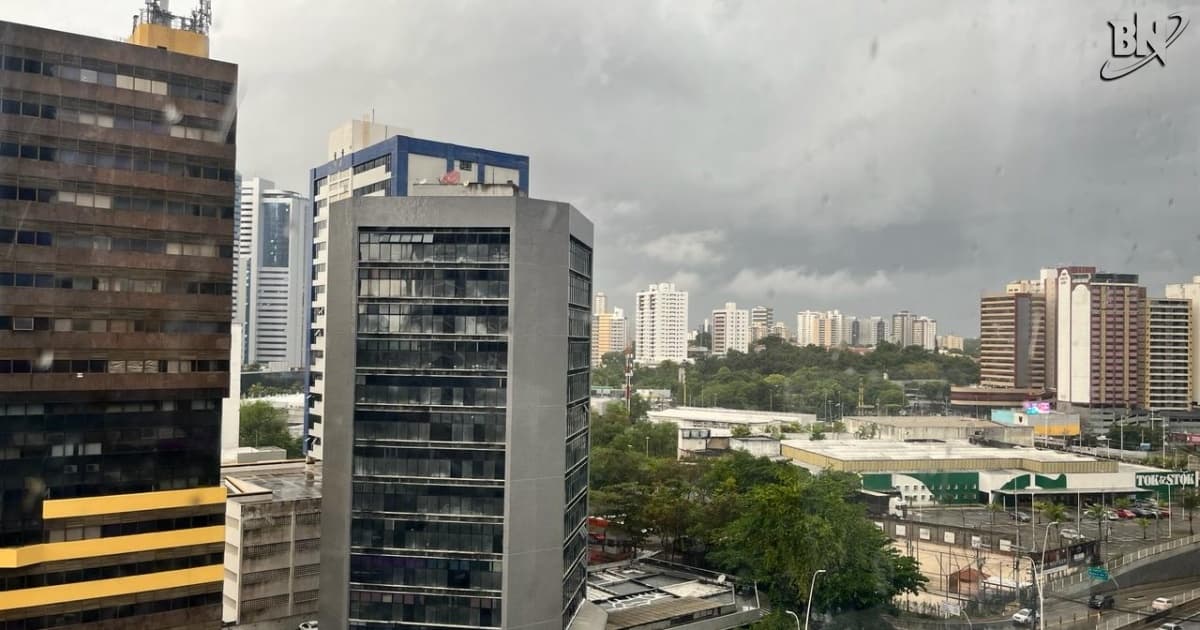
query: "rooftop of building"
283, 481
650, 591
897, 450
735, 416
924, 422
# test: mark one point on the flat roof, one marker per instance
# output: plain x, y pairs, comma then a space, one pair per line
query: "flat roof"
926, 422
896, 450
287, 481
657, 611
732, 416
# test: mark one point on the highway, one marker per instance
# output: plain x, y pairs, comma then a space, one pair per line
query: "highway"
1068, 612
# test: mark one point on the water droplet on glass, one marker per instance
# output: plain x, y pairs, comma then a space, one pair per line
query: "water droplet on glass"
874, 50
825, 199
44, 360
1170, 202
999, 170
172, 114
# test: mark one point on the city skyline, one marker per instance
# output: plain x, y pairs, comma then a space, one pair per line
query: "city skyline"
888, 213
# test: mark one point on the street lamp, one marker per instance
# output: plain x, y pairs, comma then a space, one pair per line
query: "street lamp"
1042, 578
812, 590
794, 616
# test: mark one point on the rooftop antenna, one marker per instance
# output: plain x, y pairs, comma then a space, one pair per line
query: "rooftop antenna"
158, 12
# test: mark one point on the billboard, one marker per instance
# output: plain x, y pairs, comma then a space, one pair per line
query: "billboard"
1035, 407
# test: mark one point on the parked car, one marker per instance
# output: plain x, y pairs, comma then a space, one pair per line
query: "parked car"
1111, 515
308, 625
1100, 601
1161, 603
1020, 517
1125, 513
1071, 534
1170, 626
1024, 617
1142, 512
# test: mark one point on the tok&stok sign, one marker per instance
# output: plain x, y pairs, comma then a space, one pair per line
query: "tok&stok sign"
1147, 480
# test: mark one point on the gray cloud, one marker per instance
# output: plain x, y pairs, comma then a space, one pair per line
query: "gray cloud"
918, 153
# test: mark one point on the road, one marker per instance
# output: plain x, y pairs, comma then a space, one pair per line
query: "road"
1062, 611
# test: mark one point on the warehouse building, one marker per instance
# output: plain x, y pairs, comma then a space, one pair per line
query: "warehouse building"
717, 418
936, 428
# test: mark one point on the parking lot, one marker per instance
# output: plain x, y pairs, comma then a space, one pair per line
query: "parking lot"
1119, 537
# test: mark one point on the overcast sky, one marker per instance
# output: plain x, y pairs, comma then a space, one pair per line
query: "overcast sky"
865, 156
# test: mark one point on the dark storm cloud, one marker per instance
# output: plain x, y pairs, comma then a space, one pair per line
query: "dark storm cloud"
867, 156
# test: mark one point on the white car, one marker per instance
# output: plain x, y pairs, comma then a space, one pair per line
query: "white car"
1161, 603
1024, 617
1170, 626
308, 625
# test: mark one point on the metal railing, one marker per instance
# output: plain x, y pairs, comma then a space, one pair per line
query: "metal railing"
1060, 583
1125, 619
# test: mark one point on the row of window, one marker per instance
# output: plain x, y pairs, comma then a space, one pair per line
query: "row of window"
574, 515
88, 195
425, 426
98, 71
110, 116
578, 386
579, 355
577, 418
577, 451
575, 545
114, 156
573, 591
371, 188
443, 252
143, 406
431, 572
103, 366
433, 283
61, 324
426, 500
576, 482
580, 323
383, 160
381, 461
431, 324
579, 292
435, 395
143, 245
43, 622
432, 354
109, 571
440, 610
118, 285
422, 535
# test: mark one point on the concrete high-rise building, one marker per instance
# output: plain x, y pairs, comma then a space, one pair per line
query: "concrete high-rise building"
851, 331
872, 330
272, 259
808, 330
662, 325
116, 232
779, 329
451, 361
902, 329
1169, 350
1100, 339
829, 329
1049, 281
1012, 341
1190, 291
731, 329
924, 333
608, 329
758, 332
951, 342
762, 316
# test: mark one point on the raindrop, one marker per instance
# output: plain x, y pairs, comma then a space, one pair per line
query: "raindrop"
825, 199
172, 114
44, 359
999, 170
874, 50
1170, 202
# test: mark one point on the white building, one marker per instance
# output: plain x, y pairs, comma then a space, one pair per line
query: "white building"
851, 331
808, 327
872, 330
1191, 292
731, 329
1169, 353
779, 329
718, 418
762, 315
902, 329
924, 333
272, 257
661, 324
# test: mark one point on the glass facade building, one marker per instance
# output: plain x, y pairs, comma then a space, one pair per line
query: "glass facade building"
451, 358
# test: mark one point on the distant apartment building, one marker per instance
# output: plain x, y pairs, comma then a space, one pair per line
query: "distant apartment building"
1049, 281
829, 329
1100, 339
272, 544
451, 363
731, 329
807, 328
1168, 363
851, 331
272, 256
950, 342
762, 316
1012, 341
1190, 291
116, 262
902, 329
779, 329
608, 329
872, 330
661, 325
924, 333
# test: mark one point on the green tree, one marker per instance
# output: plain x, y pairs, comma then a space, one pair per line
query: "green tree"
1054, 513
261, 424
1144, 523
1190, 501
1098, 512
994, 509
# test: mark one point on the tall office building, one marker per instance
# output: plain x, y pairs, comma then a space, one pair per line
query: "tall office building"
1012, 341
116, 229
1168, 360
902, 329
661, 325
1190, 291
272, 259
731, 329
1048, 278
1100, 339
924, 333
851, 331
808, 328
608, 329
762, 316
872, 330
451, 362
